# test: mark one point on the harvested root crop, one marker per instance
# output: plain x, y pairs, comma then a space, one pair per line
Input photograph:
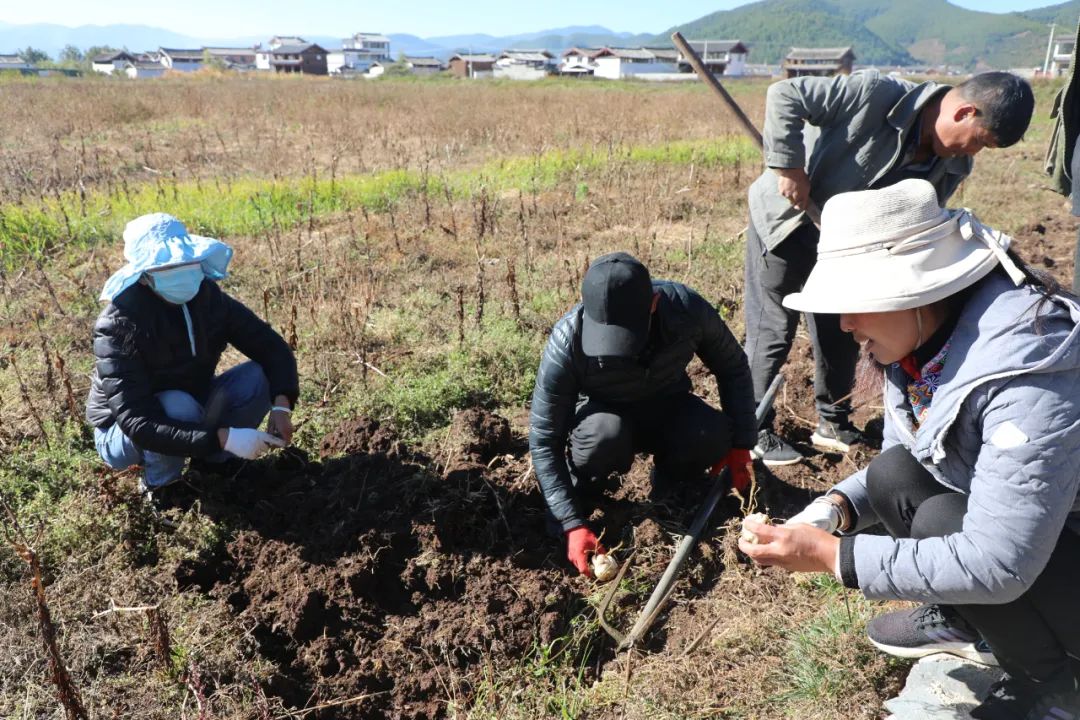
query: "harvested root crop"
604, 567
748, 536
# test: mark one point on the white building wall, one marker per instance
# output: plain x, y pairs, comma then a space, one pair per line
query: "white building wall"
510, 70
608, 67
334, 62
185, 66
140, 73
423, 70
105, 68
736, 64
615, 68
262, 61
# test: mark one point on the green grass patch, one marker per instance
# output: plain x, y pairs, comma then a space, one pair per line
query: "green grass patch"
829, 658
494, 367
257, 206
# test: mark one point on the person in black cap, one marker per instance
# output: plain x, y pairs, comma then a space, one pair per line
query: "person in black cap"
612, 382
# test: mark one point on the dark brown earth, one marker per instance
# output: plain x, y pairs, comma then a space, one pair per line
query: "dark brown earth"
366, 572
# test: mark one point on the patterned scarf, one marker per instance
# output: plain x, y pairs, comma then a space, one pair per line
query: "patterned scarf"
924, 383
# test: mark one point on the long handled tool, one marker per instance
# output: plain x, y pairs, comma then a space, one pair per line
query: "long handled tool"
812, 211
666, 585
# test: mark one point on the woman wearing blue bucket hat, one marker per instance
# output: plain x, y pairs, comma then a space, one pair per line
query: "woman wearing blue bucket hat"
155, 399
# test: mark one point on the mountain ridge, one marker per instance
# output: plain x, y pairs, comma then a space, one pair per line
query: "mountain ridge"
889, 33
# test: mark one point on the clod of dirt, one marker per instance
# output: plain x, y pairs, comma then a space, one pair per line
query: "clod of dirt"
647, 533
480, 434
359, 436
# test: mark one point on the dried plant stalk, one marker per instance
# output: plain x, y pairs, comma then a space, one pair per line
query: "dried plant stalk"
65, 688
159, 636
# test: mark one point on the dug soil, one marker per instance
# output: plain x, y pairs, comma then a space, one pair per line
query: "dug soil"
380, 572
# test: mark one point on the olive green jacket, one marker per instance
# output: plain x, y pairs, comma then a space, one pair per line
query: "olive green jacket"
1066, 111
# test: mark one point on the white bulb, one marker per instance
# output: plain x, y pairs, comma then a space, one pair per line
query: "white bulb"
604, 567
748, 536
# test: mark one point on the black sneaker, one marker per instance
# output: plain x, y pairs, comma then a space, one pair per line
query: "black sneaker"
773, 451
838, 436
1008, 699
927, 630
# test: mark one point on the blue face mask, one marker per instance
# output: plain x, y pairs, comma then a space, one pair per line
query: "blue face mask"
176, 285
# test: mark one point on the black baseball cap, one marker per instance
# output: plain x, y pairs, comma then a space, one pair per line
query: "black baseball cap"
617, 294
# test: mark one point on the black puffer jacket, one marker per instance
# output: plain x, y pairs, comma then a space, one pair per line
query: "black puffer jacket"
142, 348
686, 324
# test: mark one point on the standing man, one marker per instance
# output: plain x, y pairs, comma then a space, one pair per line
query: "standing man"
825, 136
613, 382
1062, 160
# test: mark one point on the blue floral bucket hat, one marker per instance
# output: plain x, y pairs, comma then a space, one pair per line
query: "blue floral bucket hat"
159, 240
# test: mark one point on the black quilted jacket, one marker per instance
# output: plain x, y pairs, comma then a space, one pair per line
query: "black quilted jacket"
142, 347
687, 325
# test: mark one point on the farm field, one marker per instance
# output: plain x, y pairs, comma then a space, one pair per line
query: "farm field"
414, 241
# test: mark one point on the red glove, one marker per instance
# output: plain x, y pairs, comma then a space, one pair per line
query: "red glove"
580, 543
739, 463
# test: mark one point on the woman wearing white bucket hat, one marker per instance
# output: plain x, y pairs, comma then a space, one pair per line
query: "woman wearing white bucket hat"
977, 483
154, 398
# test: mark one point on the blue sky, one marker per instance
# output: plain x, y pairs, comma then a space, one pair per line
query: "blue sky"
225, 18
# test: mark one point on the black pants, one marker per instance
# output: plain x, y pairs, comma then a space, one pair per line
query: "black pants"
1032, 637
685, 435
770, 327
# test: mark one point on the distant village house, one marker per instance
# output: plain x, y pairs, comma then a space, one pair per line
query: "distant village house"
182, 60
720, 57
306, 58
473, 66
423, 65
619, 63
263, 56
109, 63
524, 65
231, 58
14, 63
363, 53
578, 61
820, 62
1061, 58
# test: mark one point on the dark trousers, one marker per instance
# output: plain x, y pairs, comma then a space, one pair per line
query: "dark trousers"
685, 435
770, 327
1032, 637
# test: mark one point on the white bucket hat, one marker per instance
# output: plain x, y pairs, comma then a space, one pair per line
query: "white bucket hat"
897, 249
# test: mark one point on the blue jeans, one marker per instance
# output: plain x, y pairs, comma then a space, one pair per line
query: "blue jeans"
239, 397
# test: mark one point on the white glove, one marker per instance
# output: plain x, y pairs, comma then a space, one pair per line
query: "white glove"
821, 513
249, 443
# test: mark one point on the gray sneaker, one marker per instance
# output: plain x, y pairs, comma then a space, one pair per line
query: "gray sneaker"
773, 451
838, 436
928, 630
